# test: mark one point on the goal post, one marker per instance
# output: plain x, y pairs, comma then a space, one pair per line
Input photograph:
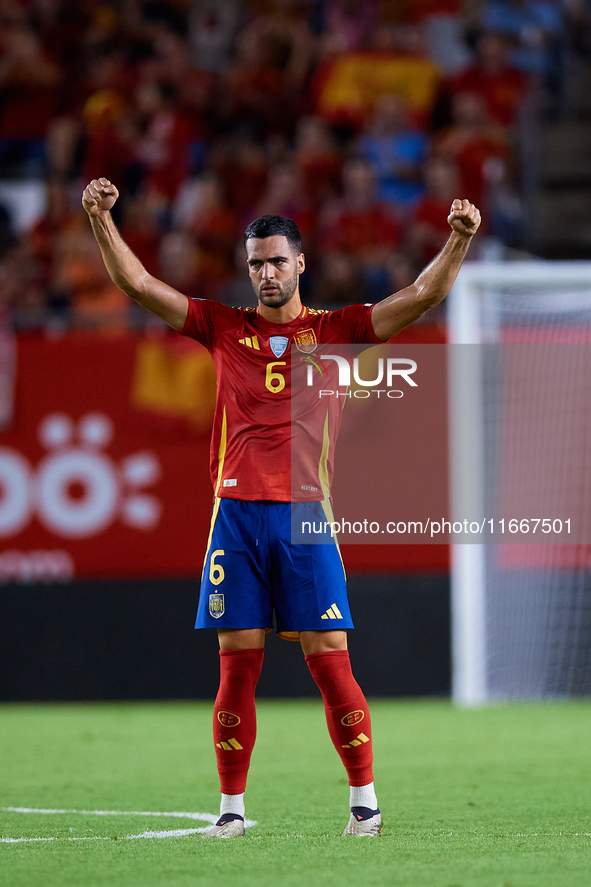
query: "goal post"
525, 632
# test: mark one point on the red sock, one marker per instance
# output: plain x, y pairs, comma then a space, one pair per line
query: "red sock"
234, 716
347, 714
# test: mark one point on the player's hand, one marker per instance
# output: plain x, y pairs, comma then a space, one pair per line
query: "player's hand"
99, 197
464, 218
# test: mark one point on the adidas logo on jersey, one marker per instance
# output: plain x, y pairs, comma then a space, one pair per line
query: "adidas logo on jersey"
251, 342
359, 741
233, 744
333, 612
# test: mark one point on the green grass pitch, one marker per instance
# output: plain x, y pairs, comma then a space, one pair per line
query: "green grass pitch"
499, 797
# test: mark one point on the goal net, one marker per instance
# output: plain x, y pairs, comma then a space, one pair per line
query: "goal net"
520, 429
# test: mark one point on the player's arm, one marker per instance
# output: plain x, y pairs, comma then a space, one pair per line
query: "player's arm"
433, 284
125, 269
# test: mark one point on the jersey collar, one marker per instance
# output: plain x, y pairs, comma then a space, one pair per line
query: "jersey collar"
301, 316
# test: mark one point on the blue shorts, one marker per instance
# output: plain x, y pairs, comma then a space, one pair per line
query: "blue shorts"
252, 570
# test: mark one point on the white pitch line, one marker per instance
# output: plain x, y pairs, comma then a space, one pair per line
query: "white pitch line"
172, 833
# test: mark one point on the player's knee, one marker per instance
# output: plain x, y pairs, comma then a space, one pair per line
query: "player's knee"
323, 641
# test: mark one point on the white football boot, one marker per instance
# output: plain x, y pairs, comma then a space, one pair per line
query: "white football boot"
362, 825
229, 825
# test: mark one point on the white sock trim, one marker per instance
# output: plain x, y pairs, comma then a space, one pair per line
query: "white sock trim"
363, 796
232, 804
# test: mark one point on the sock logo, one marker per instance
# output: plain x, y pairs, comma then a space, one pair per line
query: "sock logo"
230, 745
359, 741
227, 719
354, 717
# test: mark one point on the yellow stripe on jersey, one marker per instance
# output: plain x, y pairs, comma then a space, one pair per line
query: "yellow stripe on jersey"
323, 461
214, 514
222, 451
329, 514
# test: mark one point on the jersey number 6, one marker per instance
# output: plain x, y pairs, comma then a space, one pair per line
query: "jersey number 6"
275, 382
216, 572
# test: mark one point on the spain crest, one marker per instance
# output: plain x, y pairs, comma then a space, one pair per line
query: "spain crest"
352, 718
216, 605
305, 341
228, 719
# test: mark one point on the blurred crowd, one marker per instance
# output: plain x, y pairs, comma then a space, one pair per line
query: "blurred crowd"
359, 119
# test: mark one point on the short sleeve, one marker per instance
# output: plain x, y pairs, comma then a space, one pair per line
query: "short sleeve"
353, 325
200, 322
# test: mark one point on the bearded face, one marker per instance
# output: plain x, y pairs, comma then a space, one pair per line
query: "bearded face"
274, 269
275, 293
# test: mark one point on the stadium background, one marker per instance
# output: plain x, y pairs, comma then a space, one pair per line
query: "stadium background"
361, 122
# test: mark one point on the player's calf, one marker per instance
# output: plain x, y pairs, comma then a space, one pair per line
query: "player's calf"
349, 725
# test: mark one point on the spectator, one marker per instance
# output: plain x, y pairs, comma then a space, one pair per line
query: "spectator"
238, 290
215, 229
255, 96
242, 169
178, 263
534, 25
111, 130
348, 24
396, 151
89, 107
442, 27
471, 141
319, 160
360, 225
163, 149
212, 28
492, 77
96, 303
429, 230
358, 222
29, 90
340, 281
285, 195
22, 299
42, 239
141, 232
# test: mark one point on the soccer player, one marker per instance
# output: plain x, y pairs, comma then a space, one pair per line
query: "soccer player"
252, 570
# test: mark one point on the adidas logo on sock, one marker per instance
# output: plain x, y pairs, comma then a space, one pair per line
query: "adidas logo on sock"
333, 612
230, 745
360, 739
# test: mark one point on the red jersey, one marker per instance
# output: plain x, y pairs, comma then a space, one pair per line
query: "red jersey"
253, 429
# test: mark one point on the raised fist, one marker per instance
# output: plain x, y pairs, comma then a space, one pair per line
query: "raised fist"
463, 218
99, 197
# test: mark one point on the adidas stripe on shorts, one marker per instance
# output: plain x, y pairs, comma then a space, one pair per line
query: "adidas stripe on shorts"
255, 577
